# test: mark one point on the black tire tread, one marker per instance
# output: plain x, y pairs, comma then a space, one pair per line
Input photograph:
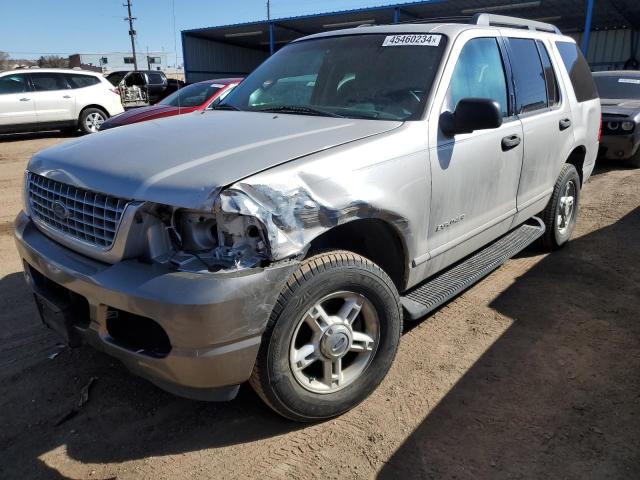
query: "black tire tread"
548, 215
315, 264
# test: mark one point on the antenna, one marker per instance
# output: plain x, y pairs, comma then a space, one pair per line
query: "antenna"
132, 33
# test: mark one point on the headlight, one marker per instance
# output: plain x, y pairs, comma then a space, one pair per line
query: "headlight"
627, 126
613, 125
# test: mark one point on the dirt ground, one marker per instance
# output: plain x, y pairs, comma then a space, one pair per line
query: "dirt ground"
532, 373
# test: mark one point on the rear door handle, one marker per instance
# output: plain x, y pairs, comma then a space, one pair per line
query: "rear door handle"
510, 142
25, 99
565, 123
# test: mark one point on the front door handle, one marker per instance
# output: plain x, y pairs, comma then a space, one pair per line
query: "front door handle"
66, 96
510, 142
565, 123
25, 99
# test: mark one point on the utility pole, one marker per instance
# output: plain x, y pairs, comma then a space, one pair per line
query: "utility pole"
148, 64
132, 33
268, 10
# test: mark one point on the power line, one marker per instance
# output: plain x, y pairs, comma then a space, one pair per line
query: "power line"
132, 33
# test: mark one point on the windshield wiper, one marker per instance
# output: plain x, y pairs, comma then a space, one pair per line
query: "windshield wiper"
225, 106
300, 109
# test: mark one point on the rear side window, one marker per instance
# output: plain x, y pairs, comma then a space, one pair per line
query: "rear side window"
528, 75
45, 81
77, 80
479, 73
579, 71
155, 78
13, 84
553, 93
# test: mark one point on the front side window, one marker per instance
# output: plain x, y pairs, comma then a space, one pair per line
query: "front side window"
192, 95
479, 73
356, 76
528, 75
43, 82
13, 84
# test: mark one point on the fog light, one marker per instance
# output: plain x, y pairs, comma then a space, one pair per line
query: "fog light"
627, 125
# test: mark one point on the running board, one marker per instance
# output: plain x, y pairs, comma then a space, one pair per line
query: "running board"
438, 290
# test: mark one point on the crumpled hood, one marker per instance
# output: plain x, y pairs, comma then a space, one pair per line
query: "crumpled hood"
620, 106
182, 160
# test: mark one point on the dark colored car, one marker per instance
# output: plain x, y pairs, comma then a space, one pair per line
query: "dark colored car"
194, 97
139, 88
620, 99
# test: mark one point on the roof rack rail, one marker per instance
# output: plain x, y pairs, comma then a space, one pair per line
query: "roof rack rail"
488, 19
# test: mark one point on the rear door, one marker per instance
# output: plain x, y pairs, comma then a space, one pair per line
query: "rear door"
546, 122
16, 100
55, 101
474, 176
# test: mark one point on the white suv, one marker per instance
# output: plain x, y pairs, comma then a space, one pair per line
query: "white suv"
49, 99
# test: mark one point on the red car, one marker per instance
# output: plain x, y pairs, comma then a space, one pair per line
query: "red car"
197, 96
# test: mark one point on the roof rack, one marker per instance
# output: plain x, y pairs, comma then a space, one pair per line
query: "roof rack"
488, 19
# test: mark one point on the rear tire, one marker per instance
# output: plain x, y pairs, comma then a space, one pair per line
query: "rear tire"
561, 212
331, 338
91, 119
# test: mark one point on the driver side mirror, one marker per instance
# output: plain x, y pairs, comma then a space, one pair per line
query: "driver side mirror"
471, 114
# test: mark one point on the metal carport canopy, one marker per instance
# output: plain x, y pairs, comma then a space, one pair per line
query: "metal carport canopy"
267, 36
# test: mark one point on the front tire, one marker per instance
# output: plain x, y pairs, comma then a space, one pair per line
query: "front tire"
331, 338
561, 212
634, 161
91, 119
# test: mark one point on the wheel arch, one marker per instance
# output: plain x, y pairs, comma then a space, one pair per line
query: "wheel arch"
577, 158
93, 105
373, 238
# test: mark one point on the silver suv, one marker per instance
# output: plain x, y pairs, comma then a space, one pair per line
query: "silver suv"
356, 178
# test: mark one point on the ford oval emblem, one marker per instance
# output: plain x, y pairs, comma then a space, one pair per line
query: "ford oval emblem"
60, 210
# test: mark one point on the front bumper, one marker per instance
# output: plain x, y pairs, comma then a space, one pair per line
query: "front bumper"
214, 321
622, 147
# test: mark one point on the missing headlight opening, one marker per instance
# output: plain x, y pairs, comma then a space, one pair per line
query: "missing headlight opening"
217, 241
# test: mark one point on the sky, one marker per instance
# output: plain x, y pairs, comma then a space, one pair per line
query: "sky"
30, 28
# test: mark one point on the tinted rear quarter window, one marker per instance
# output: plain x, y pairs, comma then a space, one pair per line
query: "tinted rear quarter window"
579, 71
155, 78
528, 76
77, 80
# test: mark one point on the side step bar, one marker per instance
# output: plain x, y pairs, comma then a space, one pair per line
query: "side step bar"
441, 288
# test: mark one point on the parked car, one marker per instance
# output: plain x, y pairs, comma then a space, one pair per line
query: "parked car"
194, 97
52, 99
283, 243
620, 99
139, 88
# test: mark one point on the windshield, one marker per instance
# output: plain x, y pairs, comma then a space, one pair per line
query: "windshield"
192, 95
386, 77
618, 86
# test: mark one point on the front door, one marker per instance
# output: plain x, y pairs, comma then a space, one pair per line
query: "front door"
474, 176
16, 101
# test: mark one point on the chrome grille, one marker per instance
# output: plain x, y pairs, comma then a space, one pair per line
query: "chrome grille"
82, 214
